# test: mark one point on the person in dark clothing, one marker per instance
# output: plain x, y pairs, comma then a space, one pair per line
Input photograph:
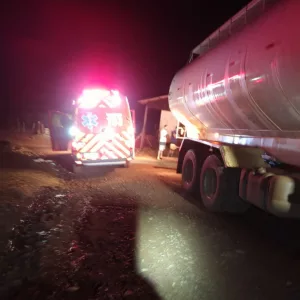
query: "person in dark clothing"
173, 137
173, 142
60, 131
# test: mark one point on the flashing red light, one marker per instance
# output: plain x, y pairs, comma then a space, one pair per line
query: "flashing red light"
92, 97
95, 93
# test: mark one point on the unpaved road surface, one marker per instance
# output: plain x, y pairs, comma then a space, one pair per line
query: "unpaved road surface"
132, 234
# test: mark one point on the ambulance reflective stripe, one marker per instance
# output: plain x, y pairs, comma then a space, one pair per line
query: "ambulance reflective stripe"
110, 154
115, 150
117, 141
77, 140
79, 136
99, 145
107, 102
128, 139
87, 138
128, 144
88, 147
117, 147
127, 135
96, 143
84, 140
110, 151
104, 103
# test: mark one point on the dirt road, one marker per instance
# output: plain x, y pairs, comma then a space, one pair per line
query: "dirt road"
132, 234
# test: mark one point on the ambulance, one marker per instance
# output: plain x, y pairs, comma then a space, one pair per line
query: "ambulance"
102, 130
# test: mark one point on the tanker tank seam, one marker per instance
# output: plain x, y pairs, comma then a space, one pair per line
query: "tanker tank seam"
259, 109
209, 104
199, 86
259, 112
228, 92
185, 102
217, 111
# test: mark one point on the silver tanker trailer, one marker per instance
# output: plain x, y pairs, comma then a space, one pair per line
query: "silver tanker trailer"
239, 98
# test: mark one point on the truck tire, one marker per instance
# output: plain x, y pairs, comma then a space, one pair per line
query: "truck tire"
219, 187
190, 172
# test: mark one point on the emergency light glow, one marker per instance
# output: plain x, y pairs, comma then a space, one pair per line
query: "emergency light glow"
95, 93
73, 131
87, 103
115, 99
91, 98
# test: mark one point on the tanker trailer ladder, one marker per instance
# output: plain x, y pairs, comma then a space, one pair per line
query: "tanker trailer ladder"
230, 178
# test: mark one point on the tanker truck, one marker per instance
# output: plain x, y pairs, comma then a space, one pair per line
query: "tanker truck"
239, 99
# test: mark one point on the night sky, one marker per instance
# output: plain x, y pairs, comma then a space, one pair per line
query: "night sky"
53, 49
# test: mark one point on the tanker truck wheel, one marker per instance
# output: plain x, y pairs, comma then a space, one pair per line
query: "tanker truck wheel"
190, 173
219, 187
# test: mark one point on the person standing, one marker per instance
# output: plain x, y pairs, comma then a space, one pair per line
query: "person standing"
173, 142
162, 142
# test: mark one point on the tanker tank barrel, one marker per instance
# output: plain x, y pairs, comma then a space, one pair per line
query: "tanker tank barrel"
241, 86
